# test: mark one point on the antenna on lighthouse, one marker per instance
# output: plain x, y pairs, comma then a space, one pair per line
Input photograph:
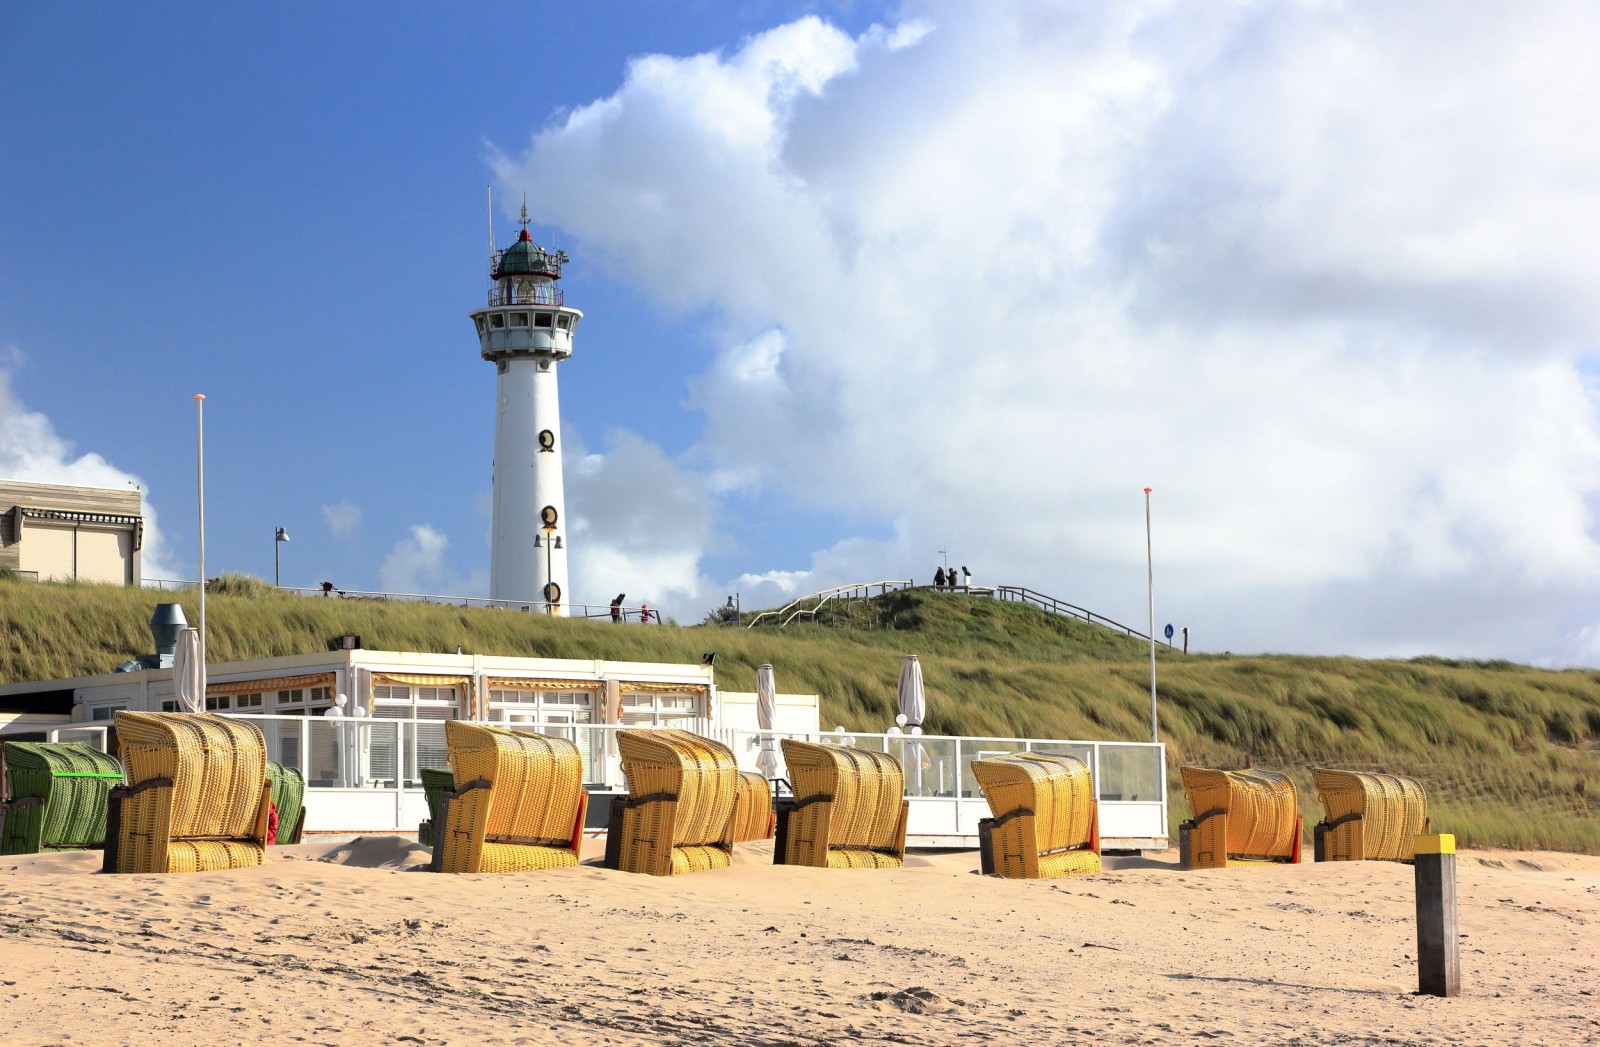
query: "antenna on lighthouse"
489, 190
524, 222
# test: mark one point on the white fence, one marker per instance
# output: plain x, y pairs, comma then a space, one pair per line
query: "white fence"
363, 774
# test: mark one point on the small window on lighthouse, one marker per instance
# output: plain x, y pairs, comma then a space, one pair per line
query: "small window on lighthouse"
519, 319
563, 322
497, 320
541, 319
480, 325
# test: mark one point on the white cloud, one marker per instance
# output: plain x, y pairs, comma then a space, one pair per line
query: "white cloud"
418, 564
342, 518
1323, 275
31, 450
641, 524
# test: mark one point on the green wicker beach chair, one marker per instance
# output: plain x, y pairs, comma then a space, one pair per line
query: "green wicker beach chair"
58, 797
288, 796
435, 783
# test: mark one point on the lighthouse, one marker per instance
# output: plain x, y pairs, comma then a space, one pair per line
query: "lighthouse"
525, 331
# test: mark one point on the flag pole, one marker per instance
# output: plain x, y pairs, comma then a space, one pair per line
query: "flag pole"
1150, 584
200, 487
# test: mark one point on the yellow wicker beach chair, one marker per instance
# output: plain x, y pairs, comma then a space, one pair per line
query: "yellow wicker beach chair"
197, 797
1240, 818
1369, 816
519, 806
1046, 821
848, 812
752, 808
678, 817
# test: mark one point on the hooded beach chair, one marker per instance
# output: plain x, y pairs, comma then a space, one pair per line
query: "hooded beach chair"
436, 781
752, 808
1046, 820
849, 809
288, 797
678, 816
1240, 818
58, 797
1369, 816
197, 797
520, 805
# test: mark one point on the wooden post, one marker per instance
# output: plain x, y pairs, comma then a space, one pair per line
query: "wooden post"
1438, 943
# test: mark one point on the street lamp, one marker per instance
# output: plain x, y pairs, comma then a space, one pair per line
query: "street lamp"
552, 591
278, 539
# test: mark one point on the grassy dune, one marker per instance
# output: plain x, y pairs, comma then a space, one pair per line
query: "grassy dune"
1511, 755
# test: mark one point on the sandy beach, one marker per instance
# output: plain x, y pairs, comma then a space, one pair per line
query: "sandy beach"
345, 941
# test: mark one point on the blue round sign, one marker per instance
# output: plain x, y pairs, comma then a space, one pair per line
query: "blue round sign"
1169, 630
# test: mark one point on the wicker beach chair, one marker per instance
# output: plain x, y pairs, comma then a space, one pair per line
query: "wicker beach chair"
435, 783
197, 797
1369, 816
752, 808
520, 805
1046, 820
849, 809
678, 817
289, 797
58, 797
1240, 818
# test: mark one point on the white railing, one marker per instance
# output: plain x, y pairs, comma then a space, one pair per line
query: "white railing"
363, 774
856, 590
537, 606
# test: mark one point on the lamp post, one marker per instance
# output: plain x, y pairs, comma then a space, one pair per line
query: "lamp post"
278, 539
552, 591
1150, 585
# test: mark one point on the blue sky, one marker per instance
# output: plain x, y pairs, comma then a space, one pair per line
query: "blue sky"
283, 207
861, 281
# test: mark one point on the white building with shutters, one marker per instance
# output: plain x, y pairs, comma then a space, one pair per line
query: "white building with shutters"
53, 532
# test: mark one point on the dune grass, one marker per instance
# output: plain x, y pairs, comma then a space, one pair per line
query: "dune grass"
1510, 754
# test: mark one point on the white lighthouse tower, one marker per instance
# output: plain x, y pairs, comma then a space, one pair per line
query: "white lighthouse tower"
526, 330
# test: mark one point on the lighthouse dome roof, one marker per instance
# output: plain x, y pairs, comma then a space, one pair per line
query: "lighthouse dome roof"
526, 258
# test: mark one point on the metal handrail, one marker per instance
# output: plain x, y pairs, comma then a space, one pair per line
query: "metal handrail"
1022, 594
792, 610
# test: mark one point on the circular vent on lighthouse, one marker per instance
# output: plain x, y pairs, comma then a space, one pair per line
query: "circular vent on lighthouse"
547, 440
549, 515
552, 592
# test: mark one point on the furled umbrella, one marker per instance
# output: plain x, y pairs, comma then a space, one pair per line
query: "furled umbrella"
189, 672
766, 716
913, 702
